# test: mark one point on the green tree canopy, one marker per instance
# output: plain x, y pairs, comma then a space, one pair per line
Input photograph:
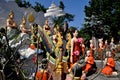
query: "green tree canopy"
108, 12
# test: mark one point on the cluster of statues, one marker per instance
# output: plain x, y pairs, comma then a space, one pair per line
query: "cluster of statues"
81, 61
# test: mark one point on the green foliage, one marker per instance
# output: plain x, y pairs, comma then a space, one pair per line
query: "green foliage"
60, 20
119, 33
62, 5
108, 11
23, 3
82, 33
38, 7
68, 16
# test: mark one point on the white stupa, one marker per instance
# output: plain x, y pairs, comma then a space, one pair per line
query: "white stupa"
54, 11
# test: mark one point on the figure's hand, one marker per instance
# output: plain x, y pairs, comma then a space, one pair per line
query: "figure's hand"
29, 30
108, 64
14, 25
83, 77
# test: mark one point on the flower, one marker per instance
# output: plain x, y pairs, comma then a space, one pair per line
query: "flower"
76, 53
80, 40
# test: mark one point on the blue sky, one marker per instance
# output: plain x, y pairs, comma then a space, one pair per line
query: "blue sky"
75, 7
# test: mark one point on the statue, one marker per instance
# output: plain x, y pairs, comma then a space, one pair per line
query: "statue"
90, 64
68, 45
22, 41
46, 28
11, 26
109, 65
36, 40
59, 42
75, 47
35, 35
76, 72
106, 45
23, 28
43, 73
54, 38
112, 44
100, 49
23, 37
31, 17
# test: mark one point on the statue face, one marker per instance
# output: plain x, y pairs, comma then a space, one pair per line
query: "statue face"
11, 16
46, 22
75, 33
23, 21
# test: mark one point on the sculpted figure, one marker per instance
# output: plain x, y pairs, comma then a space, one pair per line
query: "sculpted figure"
75, 47
109, 63
11, 26
46, 27
23, 28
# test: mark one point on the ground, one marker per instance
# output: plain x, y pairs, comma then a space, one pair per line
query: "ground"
30, 68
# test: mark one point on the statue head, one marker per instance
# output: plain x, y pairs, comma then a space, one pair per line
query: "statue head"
73, 31
88, 53
23, 20
108, 54
44, 63
11, 14
112, 39
46, 22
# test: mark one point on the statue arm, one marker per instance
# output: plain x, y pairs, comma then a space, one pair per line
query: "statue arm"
111, 63
11, 25
8, 23
26, 30
72, 44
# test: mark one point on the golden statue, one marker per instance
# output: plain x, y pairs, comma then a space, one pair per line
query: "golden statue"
23, 28
59, 42
47, 28
35, 37
11, 26
68, 45
31, 17
10, 21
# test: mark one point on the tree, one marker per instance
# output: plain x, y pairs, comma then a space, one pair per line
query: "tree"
60, 20
38, 7
108, 11
23, 3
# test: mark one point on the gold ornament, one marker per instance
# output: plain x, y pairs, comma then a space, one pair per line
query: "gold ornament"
69, 41
31, 17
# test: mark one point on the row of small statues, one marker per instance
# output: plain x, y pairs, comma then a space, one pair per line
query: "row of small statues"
12, 29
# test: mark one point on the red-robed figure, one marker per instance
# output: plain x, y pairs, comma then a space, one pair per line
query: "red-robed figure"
43, 73
89, 59
109, 65
75, 47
